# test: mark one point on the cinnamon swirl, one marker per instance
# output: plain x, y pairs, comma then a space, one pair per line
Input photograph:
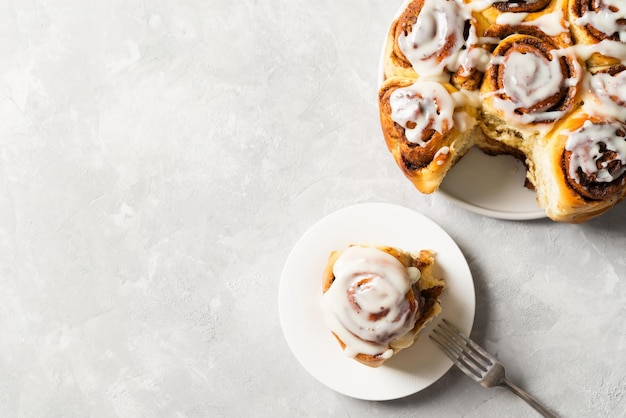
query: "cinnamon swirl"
434, 39
426, 126
377, 299
607, 92
586, 160
521, 6
602, 24
530, 84
549, 15
510, 77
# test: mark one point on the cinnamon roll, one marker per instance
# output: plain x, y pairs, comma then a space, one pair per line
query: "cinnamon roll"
509, 77
585, 158
530, 84
521, 6
549, 15
435, 39
606, 88
602, 25
427, 127
377, 299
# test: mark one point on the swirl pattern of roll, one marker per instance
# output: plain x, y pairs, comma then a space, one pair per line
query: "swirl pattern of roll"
606, 92
425, 128
601, 23
377, 299
521, 6
532, 82
433, 39
586, 157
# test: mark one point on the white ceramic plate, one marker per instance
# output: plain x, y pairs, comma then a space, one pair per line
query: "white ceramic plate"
491, 186
300, 297
483, 184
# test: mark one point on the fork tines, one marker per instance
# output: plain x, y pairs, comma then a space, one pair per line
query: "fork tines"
468, 356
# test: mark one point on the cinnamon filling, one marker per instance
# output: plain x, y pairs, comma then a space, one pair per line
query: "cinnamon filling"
546, 107
581, 7
517, 6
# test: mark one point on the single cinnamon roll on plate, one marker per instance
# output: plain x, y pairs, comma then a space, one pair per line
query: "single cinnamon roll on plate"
377, 299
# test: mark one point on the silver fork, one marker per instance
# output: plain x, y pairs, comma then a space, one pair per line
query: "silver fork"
477, 363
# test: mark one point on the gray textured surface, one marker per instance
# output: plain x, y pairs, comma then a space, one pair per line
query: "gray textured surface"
159, 160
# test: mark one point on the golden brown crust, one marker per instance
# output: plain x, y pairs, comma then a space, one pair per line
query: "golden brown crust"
508, 119
424, 295
529, 40
402, 26
395, 61
425, 165
588, 33
586, 185
527, 11
585, 33
521, 6
583, 197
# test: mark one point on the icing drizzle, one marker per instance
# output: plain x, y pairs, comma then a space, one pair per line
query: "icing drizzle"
425, 105
597, 151
367, 306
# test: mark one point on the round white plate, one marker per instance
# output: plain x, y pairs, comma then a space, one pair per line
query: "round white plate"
300, 296
488, 185
491, 186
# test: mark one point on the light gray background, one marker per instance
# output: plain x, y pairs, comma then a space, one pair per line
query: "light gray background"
159, 160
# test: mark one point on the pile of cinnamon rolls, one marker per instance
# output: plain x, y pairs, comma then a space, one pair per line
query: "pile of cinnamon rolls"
542, 80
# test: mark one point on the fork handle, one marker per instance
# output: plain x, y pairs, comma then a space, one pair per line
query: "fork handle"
529, 399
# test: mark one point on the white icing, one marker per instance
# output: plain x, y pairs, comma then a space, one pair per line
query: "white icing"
605, 47
489, 40
511, 18
440, 152
584, 144
477, 58
423, 105
379, 283
480, 5
608, 94
437, 22
530, 78
552, 24
608, 19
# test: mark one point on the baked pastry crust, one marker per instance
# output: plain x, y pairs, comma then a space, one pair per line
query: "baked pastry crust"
426, 160
422, 297
517, 73
572, 184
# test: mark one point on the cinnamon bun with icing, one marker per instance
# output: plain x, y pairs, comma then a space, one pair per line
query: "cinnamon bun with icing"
582, 164
521, 6
600, 24
376, 299
434, 39
427, 126
606, 89
530, 83
509, 77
